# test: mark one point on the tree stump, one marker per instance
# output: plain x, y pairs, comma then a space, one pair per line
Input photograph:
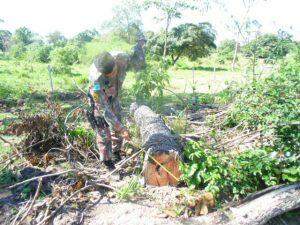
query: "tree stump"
163, 151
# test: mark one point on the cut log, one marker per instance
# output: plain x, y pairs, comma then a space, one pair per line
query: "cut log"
258, 211
163, 151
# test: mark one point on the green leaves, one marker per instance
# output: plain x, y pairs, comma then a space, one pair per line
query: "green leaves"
236, 175
151, 81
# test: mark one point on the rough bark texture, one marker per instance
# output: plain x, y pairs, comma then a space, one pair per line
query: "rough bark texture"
160, 144
258, 211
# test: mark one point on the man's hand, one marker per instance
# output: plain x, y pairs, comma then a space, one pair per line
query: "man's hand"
125, 135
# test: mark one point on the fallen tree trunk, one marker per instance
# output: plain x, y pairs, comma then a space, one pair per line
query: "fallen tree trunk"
162, 148
257, 211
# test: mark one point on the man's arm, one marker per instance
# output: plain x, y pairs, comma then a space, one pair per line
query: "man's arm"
138, 59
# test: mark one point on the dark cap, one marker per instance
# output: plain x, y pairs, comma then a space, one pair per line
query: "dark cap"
104, 63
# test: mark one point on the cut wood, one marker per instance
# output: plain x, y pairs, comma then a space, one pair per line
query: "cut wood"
163, 151
267, 205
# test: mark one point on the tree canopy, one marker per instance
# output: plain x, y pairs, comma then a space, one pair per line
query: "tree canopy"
56, 38
86, 36
269, 46
226, 50
23, 35
198, 37
126, 21
5, 37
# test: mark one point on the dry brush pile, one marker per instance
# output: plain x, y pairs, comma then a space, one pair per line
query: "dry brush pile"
54, 167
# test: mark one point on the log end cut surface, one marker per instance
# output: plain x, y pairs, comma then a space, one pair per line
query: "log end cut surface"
157, 175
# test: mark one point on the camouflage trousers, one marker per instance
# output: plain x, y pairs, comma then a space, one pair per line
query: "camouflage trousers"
109, 141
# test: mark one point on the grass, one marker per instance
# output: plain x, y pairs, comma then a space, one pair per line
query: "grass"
30, 81
130, 189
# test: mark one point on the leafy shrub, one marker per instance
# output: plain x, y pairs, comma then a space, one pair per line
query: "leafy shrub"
39, 53
151, 80
228, 175
226, 50
23, 36
17, 51
86, 36
272, 104
5, 38
63, 57
269, 47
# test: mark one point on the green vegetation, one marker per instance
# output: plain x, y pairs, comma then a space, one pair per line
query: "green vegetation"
63, 57
270, 47
226, 50
7, 177
270, 105
199, 37
186, 73
228, 175
130, 190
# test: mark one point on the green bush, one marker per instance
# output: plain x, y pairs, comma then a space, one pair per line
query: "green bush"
272, 104
269, 47
226, 50
150, 81
39, 53
17, 51
63, 57
227, 175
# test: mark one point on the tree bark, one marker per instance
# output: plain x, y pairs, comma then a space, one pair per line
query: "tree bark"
257, 211
174, 60
234, 56
163, 150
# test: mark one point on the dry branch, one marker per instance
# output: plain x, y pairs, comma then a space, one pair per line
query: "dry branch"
39, 177
37, 193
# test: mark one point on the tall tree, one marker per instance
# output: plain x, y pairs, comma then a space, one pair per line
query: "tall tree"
169, 10
56, 38
241, 24
5, 38
127, 20
86, 36
198, 37
23, 36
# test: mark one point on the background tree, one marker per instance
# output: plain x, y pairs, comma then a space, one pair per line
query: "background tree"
23, 36
86, 36
226, 50
239, 24
5, 38
198, 37
169, 10
270, 47
126, 21
56, 39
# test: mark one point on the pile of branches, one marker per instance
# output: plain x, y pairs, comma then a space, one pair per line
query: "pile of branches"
59, 161
210, 125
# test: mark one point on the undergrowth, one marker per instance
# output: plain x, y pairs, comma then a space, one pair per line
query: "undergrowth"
270, 105
129, 190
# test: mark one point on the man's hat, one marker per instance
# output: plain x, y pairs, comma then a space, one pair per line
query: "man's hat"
104, 63
141, 37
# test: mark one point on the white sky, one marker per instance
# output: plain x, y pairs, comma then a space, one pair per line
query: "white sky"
73, 16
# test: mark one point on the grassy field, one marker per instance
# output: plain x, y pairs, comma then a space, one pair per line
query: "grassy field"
30, 81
